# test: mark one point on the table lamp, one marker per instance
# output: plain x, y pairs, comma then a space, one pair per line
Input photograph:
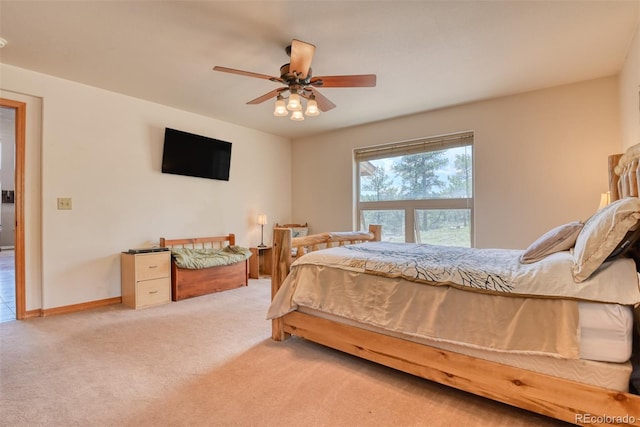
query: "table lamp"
262, 220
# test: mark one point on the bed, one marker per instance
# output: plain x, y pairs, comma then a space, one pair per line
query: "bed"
581, 376
193, 282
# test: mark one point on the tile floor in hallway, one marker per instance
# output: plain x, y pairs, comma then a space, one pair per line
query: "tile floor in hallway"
7, 286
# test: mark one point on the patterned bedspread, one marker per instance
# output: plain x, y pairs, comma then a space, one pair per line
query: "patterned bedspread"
496, 271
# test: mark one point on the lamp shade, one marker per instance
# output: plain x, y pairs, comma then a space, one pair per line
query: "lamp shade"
312, 107
281, 108
294, 102
297, 115
262, 219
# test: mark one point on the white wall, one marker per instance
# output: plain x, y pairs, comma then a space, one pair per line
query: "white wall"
540, 160
630, 93
104, 150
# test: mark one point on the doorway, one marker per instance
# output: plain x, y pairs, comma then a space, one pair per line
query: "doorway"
7, 286
12, 156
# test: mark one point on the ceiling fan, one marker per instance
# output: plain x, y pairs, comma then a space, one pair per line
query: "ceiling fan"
299, 82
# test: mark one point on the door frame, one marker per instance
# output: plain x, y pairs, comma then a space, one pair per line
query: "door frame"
20, 141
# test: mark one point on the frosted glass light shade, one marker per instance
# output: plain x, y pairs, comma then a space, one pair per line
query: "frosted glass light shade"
312, 108
294, 102
281, 109
297, 115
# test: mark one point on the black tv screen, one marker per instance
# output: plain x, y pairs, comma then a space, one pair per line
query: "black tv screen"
194, 155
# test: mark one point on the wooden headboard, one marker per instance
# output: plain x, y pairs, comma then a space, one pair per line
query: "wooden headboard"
624, 171
306, 224
283, 244
199, 242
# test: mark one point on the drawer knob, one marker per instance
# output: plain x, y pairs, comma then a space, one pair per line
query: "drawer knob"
153, 292
153, 266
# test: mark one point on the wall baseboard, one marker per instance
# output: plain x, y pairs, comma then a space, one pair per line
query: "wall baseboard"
32, 313
79, 307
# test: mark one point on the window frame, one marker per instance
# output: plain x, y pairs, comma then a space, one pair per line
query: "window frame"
422, 145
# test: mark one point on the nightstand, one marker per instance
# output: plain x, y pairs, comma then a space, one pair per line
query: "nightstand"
261, 261
146, 279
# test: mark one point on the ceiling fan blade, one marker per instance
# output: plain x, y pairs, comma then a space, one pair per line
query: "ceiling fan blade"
245, 73
266, 96
358, 80
301, 56
323, 102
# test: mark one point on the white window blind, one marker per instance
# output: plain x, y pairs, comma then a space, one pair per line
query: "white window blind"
416, 146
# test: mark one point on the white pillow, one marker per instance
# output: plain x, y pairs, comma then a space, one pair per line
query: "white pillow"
299, 231
601, 234
561, 238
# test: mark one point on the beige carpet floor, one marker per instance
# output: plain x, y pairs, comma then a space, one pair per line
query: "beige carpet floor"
209, 361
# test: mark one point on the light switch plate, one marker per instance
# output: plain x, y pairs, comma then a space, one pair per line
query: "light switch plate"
64, 203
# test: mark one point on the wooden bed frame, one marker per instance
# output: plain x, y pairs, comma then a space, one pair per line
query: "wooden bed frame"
624, 173
188, 283
551, 396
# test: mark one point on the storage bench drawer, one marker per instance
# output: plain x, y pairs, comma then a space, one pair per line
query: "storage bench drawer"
153, 266
153, 292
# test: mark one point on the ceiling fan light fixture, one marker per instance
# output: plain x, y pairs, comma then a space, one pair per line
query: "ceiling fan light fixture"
312, 107
297, 115
281, 108
294, 102
298, 82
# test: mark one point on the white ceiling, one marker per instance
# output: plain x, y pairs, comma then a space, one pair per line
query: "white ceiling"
426, 54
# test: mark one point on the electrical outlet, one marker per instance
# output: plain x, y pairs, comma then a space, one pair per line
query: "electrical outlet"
64, 203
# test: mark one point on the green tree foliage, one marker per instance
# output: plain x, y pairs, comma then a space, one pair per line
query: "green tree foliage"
460, 184
378, 185
418, 174
419, 179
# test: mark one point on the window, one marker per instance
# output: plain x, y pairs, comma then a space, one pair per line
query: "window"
419, 191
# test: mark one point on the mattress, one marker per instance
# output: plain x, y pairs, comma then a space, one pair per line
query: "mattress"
614, 376
606, 331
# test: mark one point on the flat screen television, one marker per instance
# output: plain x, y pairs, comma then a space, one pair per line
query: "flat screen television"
194, 155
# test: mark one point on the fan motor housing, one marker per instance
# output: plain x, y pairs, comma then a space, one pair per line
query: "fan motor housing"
289, 77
